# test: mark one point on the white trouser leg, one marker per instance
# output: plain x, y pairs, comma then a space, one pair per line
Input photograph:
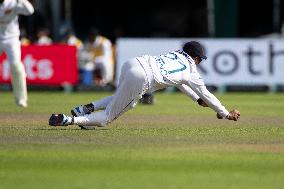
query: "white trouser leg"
94, 119
133, 84
131, 88
102, 103
13, 51
19, 83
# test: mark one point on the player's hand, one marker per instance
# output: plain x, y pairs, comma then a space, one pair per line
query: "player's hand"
201, 103
234, 115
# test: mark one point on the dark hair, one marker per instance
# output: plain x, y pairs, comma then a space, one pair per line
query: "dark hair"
194, 49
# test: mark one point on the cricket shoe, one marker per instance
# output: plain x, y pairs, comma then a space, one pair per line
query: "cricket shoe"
60, 120
80, 111
22, 103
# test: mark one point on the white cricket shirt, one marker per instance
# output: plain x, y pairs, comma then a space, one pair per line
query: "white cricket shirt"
9, 11
178, 69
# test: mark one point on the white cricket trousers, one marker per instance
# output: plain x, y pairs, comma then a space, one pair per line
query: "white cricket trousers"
12, 47
132, 85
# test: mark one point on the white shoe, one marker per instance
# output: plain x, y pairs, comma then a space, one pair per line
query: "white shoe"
22, 103
81, 111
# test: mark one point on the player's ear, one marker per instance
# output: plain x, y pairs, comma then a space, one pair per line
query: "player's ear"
197, 60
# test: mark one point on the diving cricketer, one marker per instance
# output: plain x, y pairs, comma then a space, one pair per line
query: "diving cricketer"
148, 74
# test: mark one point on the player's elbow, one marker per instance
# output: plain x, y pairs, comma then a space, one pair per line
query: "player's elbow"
30, 10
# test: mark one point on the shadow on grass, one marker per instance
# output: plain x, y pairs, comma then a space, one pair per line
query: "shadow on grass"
72, 129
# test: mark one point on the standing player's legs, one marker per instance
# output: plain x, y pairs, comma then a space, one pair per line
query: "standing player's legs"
13, 51
108, 71
132, 86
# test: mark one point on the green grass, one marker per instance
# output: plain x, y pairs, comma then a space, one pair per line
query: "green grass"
173, 144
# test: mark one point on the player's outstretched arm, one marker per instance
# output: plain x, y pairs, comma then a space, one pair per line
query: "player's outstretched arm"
188, 91
197, 85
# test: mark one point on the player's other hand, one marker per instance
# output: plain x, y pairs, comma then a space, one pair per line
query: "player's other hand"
234, 115
201, 103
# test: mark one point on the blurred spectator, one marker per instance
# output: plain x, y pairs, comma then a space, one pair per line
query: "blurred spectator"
86, 67
25, 41
71, 39
85, 58
43, 37
101, 48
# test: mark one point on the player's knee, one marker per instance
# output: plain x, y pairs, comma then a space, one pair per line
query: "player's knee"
102, 119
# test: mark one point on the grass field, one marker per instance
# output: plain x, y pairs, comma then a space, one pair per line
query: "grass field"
173, 144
